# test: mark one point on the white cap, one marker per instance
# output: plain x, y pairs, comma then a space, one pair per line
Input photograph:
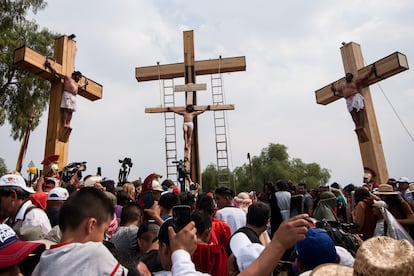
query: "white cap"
92, 180
244, 250
14, 180
403, 179
58, 193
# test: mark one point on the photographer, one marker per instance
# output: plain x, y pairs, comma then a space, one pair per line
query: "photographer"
71, 176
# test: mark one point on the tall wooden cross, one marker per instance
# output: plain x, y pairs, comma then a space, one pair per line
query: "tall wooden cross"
189, 69
369, 139
64, 63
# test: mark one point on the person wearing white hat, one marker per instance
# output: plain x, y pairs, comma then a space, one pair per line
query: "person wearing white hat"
18, 209
403, 185
55, 199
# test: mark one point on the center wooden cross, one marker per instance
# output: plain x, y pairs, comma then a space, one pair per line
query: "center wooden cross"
369, 138
189, 70
64, 63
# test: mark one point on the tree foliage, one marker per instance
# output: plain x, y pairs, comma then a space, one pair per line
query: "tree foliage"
21, 93
272, 164
3, 167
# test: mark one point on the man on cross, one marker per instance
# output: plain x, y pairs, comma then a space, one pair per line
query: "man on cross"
189, 114
70, 90
350, 89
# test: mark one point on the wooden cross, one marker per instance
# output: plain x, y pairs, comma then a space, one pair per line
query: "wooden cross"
369, 138
64, 56
189, 69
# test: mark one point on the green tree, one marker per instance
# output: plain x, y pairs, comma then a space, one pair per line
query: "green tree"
273, 164
3, 167
21, 93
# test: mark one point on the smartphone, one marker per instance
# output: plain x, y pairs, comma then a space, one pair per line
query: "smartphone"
181, 216
99, 172
148, 199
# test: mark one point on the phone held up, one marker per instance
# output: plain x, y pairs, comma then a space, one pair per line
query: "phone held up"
148, 199
181, 216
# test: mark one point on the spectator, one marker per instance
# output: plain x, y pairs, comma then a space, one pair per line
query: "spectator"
257, 219
398, 207
83, 219
166, 203
325, 208
403, 184
55, 199
243, 200
307, 198
220, 231
125, 237
231, 215
283, 197
20, 211
364, 215
208, 257
17, 257
376, 256
317, 248
148, 245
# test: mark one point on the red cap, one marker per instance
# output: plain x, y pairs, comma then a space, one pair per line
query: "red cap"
12, 250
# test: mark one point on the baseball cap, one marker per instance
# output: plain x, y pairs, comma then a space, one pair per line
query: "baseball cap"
12, 250
317, 248
14, 180
58, 193
156, 186
244, 250
403, 179
92, 180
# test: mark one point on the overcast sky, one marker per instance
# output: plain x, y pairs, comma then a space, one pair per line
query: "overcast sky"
292, 48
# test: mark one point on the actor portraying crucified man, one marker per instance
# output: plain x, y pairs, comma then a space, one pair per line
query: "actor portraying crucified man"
350, 89
70, 90
189, 114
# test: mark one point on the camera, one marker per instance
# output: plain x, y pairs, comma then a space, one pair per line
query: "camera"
126, 162
71, 169
193, 186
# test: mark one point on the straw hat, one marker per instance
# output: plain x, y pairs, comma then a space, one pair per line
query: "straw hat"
376, 256
385, 189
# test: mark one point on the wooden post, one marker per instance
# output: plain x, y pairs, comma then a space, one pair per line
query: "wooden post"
189, 69
369, 138
64, 63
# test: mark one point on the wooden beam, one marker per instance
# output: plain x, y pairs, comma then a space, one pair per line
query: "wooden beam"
182, 108
34, 62
202, 67
386, 67
189, 87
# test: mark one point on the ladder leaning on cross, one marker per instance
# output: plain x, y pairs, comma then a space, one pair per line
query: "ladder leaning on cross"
189, 69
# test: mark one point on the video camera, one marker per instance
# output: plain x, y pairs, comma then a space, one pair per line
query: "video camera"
69, 171
126, 162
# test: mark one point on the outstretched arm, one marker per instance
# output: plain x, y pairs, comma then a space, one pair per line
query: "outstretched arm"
365, 76
334, 88
288, 233
49, 65
202, 111
176, 112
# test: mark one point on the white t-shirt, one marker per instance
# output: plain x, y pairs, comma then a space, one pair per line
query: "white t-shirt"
233, 216
91, 258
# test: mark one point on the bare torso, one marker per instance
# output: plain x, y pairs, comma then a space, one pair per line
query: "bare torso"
70, 85
188, 117
349, 89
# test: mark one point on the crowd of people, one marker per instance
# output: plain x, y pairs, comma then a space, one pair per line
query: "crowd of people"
94, 226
